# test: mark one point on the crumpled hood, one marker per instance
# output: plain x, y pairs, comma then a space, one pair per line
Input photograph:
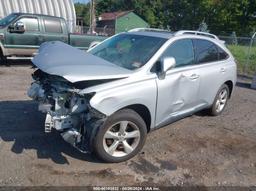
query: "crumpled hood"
58, 58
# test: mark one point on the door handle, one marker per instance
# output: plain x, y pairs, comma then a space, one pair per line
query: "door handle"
191, 77
41, 38
194, 76
64, 39
222, 70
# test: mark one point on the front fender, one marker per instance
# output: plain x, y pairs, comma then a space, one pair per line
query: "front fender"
112, 100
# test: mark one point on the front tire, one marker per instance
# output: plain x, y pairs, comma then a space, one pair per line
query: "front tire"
3, 60
121, 137
220, 101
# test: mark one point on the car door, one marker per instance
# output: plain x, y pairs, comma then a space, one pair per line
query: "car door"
211, 60
24, 43
178, 90
54, 30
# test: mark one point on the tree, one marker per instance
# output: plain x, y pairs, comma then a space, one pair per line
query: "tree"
221, 16
83, 11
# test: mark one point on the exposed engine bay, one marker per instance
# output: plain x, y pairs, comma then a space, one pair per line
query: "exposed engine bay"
61, 84
66, 110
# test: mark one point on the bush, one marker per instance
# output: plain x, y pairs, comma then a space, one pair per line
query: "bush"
241, 54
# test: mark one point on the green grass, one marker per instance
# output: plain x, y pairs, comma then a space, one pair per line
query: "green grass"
241, 53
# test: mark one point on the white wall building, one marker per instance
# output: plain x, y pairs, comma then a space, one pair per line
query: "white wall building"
59, 8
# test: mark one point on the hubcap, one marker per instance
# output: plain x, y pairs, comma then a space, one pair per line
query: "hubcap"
121, 139
221, 101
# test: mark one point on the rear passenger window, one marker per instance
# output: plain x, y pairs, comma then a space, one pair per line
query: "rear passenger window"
52, 25
205, 51
182, 51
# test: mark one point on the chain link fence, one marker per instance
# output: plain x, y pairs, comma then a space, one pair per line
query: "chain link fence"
104, 31
244, 51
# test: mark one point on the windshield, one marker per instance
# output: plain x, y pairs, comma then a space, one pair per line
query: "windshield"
7, 20
128, 50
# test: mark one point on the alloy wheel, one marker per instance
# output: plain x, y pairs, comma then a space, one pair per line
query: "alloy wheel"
222, 100
121, 139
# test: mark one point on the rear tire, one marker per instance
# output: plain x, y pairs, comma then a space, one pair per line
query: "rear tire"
220, 101
121, 137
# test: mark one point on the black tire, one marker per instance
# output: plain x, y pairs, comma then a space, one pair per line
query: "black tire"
122, 115
3, 60
213, 110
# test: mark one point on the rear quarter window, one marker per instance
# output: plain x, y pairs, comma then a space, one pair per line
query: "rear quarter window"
222, 54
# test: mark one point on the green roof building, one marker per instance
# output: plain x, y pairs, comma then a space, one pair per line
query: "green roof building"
120, 21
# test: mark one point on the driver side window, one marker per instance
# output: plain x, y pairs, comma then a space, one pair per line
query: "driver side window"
30, 23
182, 51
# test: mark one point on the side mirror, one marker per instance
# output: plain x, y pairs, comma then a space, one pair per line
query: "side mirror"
167, 64
17, 27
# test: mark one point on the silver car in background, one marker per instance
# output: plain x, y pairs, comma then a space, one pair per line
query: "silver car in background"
106, 100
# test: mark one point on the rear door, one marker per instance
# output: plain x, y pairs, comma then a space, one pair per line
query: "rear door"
178, 90
25, 43
54, 29
211, 60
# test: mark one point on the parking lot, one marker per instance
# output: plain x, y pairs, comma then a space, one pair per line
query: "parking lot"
198, 150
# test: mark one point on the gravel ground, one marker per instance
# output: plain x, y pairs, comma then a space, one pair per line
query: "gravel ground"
198, 150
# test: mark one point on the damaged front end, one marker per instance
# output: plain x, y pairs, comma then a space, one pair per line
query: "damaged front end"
66, 110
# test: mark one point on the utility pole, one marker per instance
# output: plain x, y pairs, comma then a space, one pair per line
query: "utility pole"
92, 16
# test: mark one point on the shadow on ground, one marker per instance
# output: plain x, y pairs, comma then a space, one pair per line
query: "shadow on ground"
22, 124
244, 85
244, 81
18, 62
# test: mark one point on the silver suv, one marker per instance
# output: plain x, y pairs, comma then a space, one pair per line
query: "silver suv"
106, 100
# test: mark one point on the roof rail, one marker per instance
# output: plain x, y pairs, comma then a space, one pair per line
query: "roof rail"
181, 32
148, 30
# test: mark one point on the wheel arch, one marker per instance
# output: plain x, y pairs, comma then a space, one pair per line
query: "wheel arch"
3, 51
230, 85
143, 111
2, 55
